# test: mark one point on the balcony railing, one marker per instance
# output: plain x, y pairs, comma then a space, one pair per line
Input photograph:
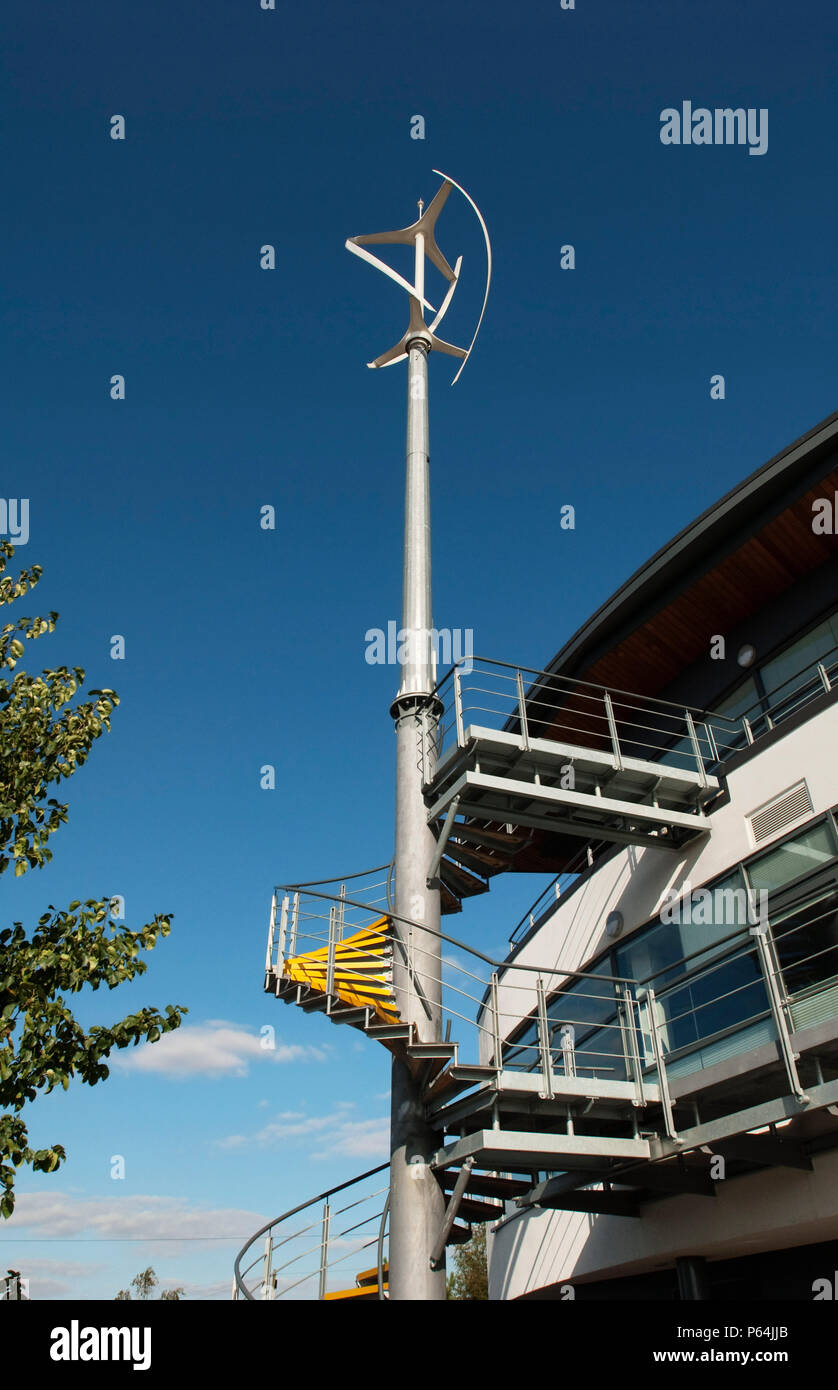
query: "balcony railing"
316, 1248
589, 1029
718, 736
539, 704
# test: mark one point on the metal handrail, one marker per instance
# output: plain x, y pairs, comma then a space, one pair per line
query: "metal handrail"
713, 735
556, 678
241, 1287
637, 1015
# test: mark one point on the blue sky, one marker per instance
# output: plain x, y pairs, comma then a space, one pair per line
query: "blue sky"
247, 387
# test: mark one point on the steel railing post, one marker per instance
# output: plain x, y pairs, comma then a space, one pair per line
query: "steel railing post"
271, 924
295, 912
629, 1033
775, 1000
699, 761
341, 911
458, 708
711, 739
822, 672
497, 1057
545, 1056
283, 926
330, 956
266, 1269
522, 713
746, 725
657, 1053
324, 1251
612, 726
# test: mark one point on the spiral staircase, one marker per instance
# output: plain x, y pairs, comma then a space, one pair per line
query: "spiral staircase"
526, 1117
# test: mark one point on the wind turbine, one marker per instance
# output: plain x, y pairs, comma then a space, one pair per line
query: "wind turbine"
416, 1202
420, 234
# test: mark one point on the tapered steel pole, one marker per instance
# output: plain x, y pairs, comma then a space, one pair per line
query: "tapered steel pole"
417, 1208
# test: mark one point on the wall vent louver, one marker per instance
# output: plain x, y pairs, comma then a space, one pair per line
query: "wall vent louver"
780, 812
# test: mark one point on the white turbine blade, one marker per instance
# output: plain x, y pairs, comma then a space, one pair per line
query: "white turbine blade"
451, 348
392, 355
447, 300
387, 270
402, 237
427, 224
437, 203
488, 264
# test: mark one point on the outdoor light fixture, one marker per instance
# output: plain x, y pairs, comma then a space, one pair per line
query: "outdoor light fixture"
746, 655
613, 924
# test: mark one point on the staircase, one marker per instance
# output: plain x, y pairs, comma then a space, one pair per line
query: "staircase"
294, 1259
552, 769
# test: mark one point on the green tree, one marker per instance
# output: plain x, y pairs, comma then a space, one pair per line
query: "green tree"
469, 1279
45, 736
143, 1284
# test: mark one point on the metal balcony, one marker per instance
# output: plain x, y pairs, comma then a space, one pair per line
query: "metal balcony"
523, 748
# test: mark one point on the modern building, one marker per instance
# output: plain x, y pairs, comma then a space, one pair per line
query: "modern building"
746, 1013
641, 1100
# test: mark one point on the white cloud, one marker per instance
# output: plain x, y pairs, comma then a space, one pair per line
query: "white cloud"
215, 1048
359, 1139
337, 1134
57, 1215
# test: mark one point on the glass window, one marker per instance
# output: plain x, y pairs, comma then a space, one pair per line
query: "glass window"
806, 940
731, 736
796, 857
710, 915
730, 992
702, 968
587, 1002
796, 667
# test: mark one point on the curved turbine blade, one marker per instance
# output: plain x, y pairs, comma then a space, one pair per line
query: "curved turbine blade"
488, 264
387, 270
443, 308
402, 236
451, 348
427, 223
391, 356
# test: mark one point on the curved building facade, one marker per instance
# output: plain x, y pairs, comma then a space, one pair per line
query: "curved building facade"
688, 1055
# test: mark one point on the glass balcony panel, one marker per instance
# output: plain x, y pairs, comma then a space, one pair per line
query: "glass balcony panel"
720, 998
806, 942
799, 661
796, 857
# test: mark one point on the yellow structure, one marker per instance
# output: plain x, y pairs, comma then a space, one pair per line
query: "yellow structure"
362, 974
366, 1286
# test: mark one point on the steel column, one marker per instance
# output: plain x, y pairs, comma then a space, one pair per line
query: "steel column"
416, 1202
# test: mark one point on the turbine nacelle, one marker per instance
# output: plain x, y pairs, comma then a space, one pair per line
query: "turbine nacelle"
420, 235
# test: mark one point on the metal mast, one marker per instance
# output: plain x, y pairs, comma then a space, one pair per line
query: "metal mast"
417, 1206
